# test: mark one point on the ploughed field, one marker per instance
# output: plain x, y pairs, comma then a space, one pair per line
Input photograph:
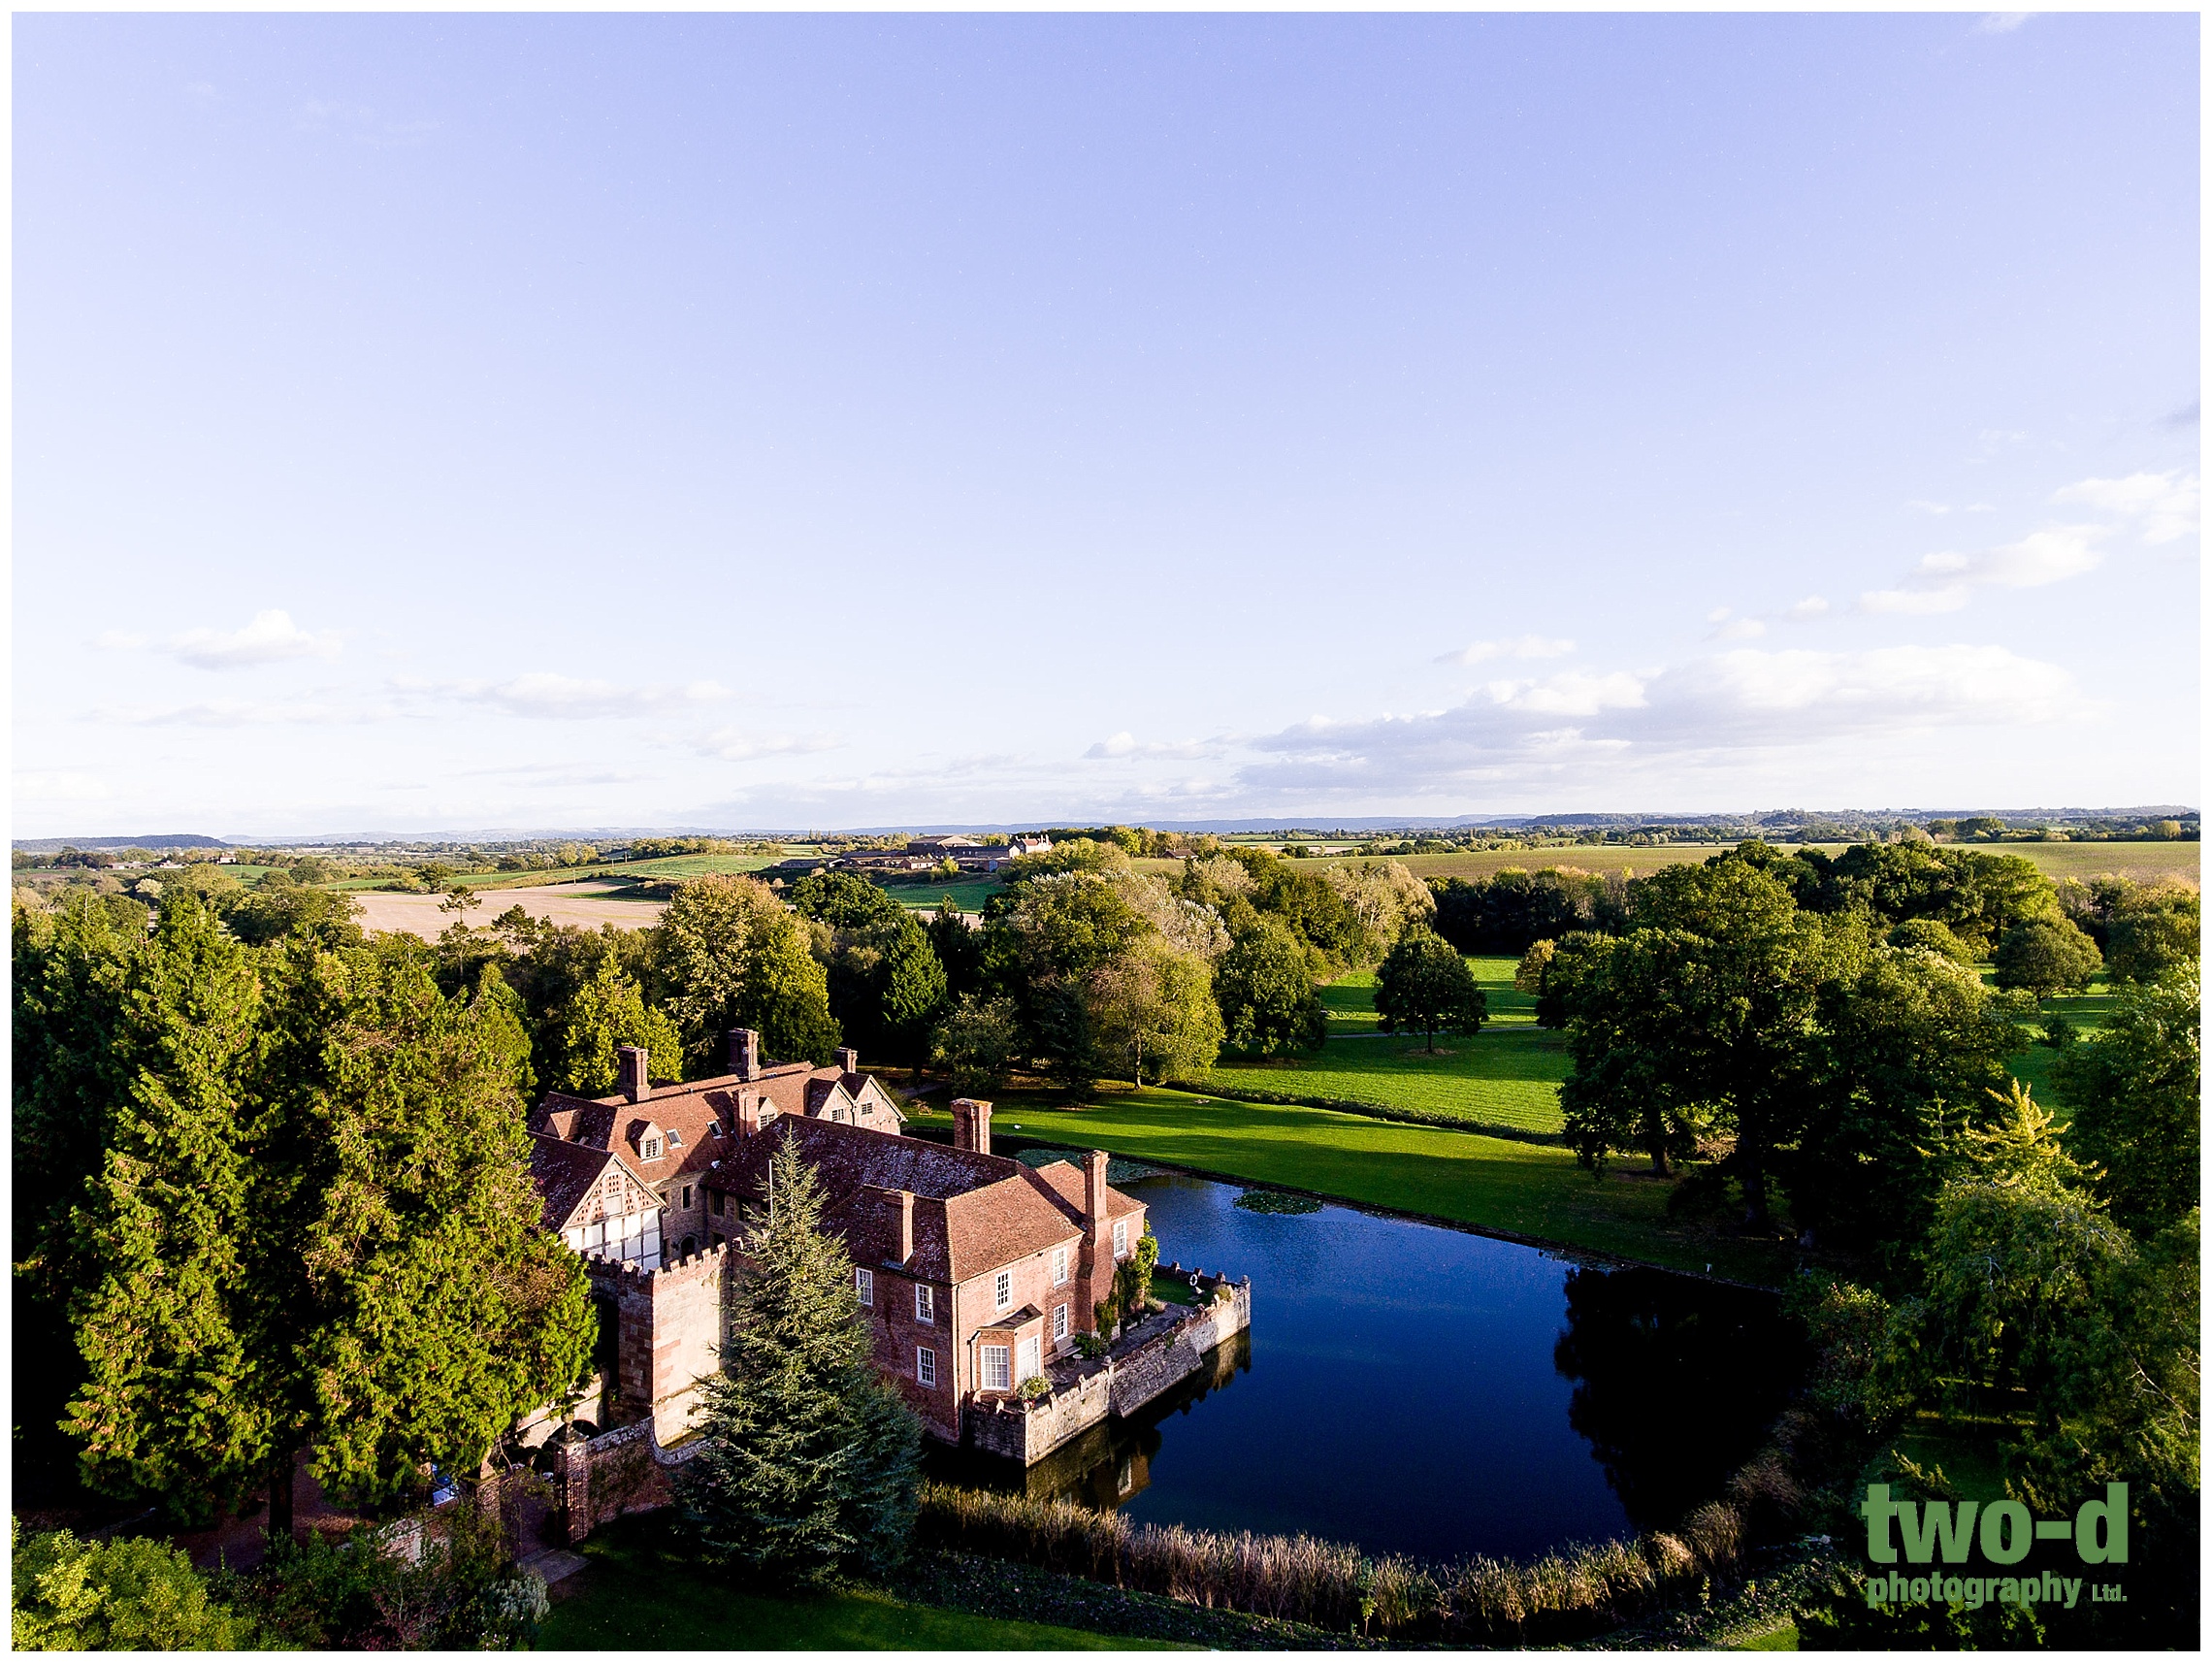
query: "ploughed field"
587, 905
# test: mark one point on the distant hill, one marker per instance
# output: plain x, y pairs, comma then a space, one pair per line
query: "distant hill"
164, 840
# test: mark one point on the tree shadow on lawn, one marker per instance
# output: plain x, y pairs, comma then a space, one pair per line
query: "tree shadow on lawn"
1524, 1053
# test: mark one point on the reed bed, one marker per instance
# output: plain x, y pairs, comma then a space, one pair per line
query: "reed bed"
1569, 1594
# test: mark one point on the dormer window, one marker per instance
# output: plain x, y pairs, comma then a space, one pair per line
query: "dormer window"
650, 1149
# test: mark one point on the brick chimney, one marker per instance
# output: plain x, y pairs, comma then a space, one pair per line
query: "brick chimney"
848, 1059
1095, 1191
744, 1053
903, 1203
971, 1124
630, 1078
748, 1113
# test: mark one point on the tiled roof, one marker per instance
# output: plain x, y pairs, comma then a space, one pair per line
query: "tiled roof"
972, 1213
701, 1116
564, 1173
1067, 1179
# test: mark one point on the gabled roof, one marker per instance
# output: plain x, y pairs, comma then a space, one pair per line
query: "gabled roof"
973, 1213
566, 1174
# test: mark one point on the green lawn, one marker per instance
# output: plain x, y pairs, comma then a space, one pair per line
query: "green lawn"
969, 892
2088, 1012
638, 1599
1508, 1075
1529, 1189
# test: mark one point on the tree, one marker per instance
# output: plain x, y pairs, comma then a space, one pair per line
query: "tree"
1926, 935
1154, 1006
1269, 1004
843, 900
2046, 955
912, 993
701, 950
1738, 968
978, 1042
953, 939
128, 1594
1908, 1057
2156, 928
181, 1395
313, 1228
2135, 1095
1624, 1088
786, 995
427, 1305
609, 1012
1532, 976
1424, 985
808, 1463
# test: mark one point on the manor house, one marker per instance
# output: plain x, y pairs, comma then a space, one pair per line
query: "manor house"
979, 1273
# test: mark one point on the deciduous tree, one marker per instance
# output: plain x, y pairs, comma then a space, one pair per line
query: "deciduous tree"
2046, 955
1424, 985
1269, 1004
2135, 1092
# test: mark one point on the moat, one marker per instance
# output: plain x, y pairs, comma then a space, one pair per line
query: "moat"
1424, 1391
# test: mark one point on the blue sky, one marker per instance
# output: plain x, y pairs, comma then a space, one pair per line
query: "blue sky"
743, 421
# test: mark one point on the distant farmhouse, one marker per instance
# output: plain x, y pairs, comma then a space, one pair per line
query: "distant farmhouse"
970, 854
982, 1276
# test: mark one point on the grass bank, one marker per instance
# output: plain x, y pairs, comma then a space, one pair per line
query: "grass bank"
639, 1597
1535, 1191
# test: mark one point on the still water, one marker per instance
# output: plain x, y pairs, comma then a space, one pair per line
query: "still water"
1419, 1390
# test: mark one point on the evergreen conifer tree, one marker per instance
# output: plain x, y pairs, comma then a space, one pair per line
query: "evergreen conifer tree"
809, 1461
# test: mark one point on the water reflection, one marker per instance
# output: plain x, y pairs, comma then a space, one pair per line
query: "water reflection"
1423, 1391
1655, 1357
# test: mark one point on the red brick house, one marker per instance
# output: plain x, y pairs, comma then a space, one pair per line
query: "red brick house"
978, 1271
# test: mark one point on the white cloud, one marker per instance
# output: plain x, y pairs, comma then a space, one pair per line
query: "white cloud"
734, 745
1577, 693
1944, 582
1126, 744
117, 642
54, 785
1741, 629
1521, 647
2001, 22
1812, 606
1744, 701
268, 638
311, 712
543, 695
2167, 504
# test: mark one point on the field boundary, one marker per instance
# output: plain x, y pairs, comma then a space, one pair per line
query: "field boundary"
1372, 1111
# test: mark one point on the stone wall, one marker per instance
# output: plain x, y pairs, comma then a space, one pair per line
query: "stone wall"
1165, 1348
668, 1323
1181, 1351
618, 1473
